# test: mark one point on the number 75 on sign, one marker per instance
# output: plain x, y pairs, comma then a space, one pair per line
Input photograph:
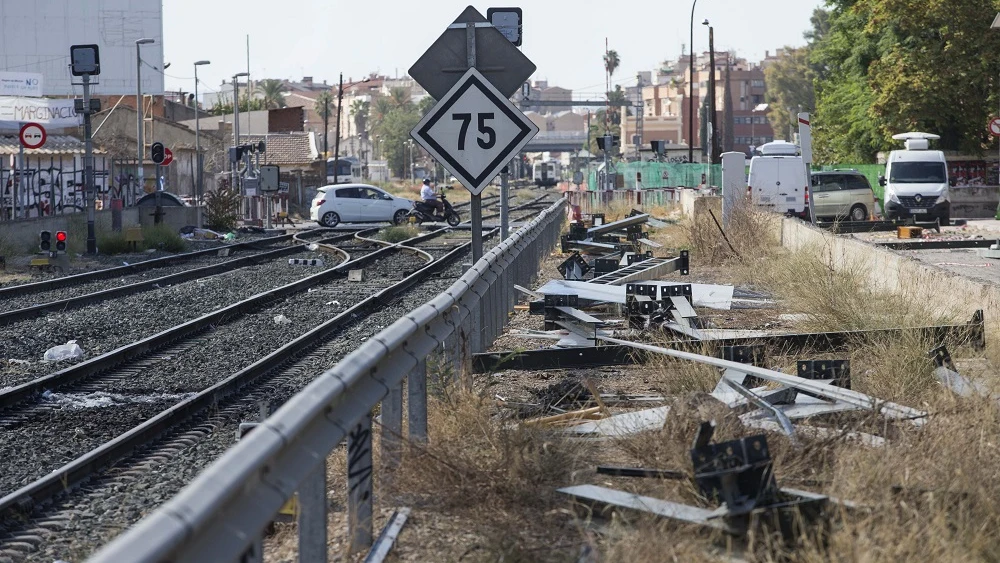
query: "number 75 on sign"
474, 131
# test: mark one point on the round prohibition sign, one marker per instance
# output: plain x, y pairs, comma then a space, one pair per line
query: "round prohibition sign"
994, 127
32, 136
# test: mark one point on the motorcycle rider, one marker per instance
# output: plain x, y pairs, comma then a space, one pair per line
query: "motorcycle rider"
430, 198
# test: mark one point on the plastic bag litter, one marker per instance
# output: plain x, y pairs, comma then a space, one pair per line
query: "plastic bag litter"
230, 236
312, 247
282, 320
65, 351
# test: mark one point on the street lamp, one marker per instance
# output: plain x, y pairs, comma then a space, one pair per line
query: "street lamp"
140, 139
690, 91
199, 190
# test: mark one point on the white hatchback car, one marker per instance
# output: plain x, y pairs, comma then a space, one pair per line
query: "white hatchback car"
357, 203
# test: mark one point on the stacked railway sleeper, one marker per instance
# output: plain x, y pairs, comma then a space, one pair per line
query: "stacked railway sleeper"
154, 402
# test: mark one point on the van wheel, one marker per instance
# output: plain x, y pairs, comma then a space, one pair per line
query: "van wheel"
859, 213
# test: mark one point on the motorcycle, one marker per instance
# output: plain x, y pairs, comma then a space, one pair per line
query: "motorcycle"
423, 212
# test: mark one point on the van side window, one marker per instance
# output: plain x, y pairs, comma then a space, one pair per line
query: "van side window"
858, 183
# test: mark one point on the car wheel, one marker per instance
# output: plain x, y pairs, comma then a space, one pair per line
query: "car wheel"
454, 219
400, 216
330, 219
859, 213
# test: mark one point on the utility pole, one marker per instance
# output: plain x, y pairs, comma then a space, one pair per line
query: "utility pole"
336, 141
140, 139
713, 152
199, 187
236, 126
691, 89
326, 126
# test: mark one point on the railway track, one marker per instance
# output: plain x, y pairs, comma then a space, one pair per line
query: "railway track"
21, 302
285, 369
157, 410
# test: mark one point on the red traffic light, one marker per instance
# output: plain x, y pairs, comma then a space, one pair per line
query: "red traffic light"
60, 236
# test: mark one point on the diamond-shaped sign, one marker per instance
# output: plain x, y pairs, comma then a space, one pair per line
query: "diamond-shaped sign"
474, 131
445, 61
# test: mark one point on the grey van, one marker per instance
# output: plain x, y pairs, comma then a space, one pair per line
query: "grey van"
842, 194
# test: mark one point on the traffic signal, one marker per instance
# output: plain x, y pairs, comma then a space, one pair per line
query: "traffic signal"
158, 154
60, 241
45, 241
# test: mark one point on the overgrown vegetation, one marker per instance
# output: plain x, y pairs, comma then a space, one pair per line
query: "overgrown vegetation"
222, 209
398, 233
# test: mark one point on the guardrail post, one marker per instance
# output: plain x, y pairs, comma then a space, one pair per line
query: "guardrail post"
312, 516
392, 425
359, 484
416, 402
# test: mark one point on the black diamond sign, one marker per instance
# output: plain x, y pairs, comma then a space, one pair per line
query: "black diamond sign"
474, 131
446, 60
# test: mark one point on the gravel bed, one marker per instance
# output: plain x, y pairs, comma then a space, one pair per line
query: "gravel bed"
106, 326
218, 354
104, 510
37, 298
85, 264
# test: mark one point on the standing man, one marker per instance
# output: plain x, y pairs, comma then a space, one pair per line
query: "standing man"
430, 197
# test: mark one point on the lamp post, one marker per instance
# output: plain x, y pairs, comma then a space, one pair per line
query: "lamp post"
140, 139
199, 190
691, 90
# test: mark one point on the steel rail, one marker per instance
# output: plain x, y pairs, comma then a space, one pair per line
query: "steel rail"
113, 451
79, 301
97, 275
94, 366
223, 511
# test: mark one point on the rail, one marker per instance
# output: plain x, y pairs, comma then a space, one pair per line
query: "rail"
223, 513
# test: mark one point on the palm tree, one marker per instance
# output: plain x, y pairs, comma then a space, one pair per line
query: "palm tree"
325, 105
271, 91
379, 108
400, 97
611, 62
359, 109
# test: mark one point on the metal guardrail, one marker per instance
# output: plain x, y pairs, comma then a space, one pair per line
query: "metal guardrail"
222, 514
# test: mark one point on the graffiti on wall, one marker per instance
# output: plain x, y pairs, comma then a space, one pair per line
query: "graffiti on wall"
54, 187
972, 173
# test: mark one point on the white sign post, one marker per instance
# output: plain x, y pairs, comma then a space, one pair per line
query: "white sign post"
474, 131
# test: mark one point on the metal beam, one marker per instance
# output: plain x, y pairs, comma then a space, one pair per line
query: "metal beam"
886, 408
937, 244
973, 333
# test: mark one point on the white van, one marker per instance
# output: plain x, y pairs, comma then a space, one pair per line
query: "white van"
778, 181
916, 181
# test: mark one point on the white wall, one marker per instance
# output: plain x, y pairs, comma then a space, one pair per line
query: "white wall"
35, 36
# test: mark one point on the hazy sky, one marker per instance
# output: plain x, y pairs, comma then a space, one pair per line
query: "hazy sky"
565, 38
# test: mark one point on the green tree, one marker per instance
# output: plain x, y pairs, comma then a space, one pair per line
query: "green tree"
615, 111
224, 106
611, 62
789, 87
394, 131
380, 107
889, 66
359, 109
400, 98
425, 105
271, 92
